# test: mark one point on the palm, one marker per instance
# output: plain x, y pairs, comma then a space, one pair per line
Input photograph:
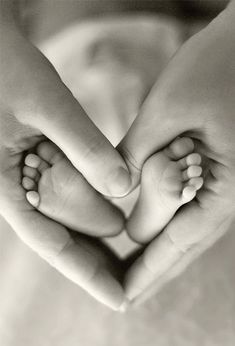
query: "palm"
194, 97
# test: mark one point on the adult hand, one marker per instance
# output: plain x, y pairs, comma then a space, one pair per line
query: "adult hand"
195, 96
35, 103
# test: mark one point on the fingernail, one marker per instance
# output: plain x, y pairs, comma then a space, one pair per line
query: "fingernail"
119, 183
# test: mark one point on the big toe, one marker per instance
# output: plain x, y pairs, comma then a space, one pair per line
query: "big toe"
179, 148
49, 152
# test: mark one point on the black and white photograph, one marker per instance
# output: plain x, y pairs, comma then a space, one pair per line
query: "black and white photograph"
117, 172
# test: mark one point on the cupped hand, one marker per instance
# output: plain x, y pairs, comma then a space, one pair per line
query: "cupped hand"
34, 103
195, 96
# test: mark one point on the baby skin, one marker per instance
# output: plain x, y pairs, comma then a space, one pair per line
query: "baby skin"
59, 191
170, 178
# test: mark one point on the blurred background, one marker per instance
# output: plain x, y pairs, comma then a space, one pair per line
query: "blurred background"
46, 17
110, 53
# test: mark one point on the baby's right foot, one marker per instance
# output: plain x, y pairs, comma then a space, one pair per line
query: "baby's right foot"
170, 178
59, 191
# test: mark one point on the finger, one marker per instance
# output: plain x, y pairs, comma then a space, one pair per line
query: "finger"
181, 265
61, 118
157, 124
72, 258
178, 267
188, 233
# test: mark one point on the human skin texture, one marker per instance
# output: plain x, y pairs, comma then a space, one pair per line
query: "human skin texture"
34, 105
195, 96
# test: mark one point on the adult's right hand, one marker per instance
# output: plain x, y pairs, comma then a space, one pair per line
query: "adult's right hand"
35, 103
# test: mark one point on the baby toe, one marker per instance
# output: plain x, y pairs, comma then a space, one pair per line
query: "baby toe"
28, 183
194, 159
179, 148
35, 161
43, 166
196, 182
192, 172
31, 173
32, 160
188, 193
33, 198
49, 152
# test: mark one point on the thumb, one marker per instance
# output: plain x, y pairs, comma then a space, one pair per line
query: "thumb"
63, 121
34, 92
158, 123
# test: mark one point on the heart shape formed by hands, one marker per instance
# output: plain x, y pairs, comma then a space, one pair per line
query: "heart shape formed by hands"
100, 72
86, 260
54, 187
112, 90
101, 66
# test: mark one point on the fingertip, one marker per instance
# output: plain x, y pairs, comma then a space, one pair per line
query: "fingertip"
124, 306
119, 183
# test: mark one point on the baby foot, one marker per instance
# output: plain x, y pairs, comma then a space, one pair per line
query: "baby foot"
169, 179
59, 191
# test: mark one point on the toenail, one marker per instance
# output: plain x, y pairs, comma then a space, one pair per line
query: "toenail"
32, 160
194, 159
27, 183
194, 171
33, 198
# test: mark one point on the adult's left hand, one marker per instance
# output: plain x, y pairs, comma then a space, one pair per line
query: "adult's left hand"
195, 96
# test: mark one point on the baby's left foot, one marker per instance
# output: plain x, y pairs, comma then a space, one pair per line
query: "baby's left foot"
170, 178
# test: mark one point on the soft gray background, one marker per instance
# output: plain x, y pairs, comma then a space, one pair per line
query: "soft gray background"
39, 307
